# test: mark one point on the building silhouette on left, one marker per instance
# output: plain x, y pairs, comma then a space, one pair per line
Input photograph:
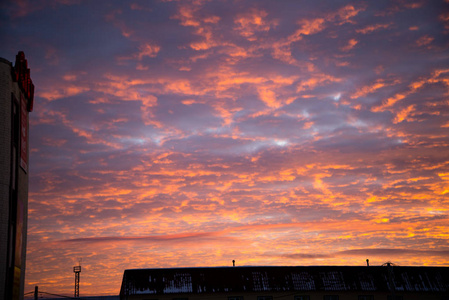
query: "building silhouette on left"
16, 102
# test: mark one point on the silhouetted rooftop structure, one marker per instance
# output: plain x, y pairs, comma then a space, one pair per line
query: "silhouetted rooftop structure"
304, 279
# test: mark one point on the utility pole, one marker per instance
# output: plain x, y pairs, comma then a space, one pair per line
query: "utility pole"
36, 292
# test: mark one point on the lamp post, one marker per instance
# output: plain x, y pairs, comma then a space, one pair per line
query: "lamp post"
77, 271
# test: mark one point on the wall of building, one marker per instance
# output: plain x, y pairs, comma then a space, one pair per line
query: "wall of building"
5, 166
289, 296
13, 183
286, 282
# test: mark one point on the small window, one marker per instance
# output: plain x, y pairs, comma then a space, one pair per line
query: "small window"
235, 298
264, 297
396, 297
366, 297
331, 297
302, 297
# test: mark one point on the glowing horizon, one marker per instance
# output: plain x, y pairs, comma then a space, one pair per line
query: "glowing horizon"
194, 133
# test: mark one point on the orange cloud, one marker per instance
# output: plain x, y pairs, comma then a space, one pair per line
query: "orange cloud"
56, 93
148, 50
145, 50
403, 114
351, 44
281, 49
414, 5
424, 40
208, 40
314, 81
444, 17
269, 97
113, 17
344, 14
212, 19
413, 88
204, 45
307, 27
54, 142
148, 102
252, 22
378, 84
371, 28
186, 15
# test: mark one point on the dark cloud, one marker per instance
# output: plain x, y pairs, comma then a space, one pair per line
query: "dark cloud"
370, 252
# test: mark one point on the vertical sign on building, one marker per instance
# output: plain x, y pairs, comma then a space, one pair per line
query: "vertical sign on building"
23, 133
18, 251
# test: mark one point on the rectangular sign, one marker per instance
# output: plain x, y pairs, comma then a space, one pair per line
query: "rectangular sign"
18, 250
23, 134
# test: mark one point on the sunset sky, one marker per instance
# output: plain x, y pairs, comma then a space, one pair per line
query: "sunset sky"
194, 133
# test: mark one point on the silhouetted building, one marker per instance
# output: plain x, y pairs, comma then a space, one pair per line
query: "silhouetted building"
16, 101
295, 283
42, 297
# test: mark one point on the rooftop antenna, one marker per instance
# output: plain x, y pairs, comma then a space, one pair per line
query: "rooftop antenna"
77, 271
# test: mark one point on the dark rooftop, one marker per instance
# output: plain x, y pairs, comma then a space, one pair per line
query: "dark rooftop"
278, 279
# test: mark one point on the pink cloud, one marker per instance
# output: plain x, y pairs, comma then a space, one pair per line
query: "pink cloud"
350, 45
372, 28
249, 24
